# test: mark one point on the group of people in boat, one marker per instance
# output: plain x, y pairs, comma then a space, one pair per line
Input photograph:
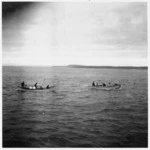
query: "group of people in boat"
23, 85
104, 84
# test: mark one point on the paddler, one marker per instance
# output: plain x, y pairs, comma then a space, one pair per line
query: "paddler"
93, 84
23, 84
47, 87
35, 85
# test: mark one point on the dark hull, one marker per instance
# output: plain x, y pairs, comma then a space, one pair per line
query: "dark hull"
38, 89
106, 88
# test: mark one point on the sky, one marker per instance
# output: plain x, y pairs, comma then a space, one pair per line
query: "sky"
83, 33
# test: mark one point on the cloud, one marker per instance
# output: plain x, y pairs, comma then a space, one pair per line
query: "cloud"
124, 24
99, 30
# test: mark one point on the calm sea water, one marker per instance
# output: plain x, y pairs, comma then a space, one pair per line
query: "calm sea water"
72, 114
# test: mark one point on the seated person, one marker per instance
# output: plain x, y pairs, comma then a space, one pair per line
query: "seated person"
104, 84
23, 84
35, 85
47, 87
93, 84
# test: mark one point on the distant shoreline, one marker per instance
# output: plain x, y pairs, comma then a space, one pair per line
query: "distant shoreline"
82, 66
105, 67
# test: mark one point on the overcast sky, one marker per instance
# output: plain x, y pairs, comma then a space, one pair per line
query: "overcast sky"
75, 33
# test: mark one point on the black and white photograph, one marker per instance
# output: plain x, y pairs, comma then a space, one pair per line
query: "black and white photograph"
74, 74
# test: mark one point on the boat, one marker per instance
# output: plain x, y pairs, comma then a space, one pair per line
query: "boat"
32, 88
105, 86
114, 87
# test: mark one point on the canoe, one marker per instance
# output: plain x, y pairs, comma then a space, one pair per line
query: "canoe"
100, 87
32, 88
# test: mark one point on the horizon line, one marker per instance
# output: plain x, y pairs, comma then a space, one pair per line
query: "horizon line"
72, 65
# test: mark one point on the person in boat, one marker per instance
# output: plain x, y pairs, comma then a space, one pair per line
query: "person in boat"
35, 85
117, 84
47, 87
93, 84
104, 84
23, 84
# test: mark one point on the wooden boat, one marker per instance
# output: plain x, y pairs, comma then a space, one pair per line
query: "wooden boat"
105, 86
101, 87
32, 88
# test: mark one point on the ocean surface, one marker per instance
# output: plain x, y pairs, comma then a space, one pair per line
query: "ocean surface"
72, 114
